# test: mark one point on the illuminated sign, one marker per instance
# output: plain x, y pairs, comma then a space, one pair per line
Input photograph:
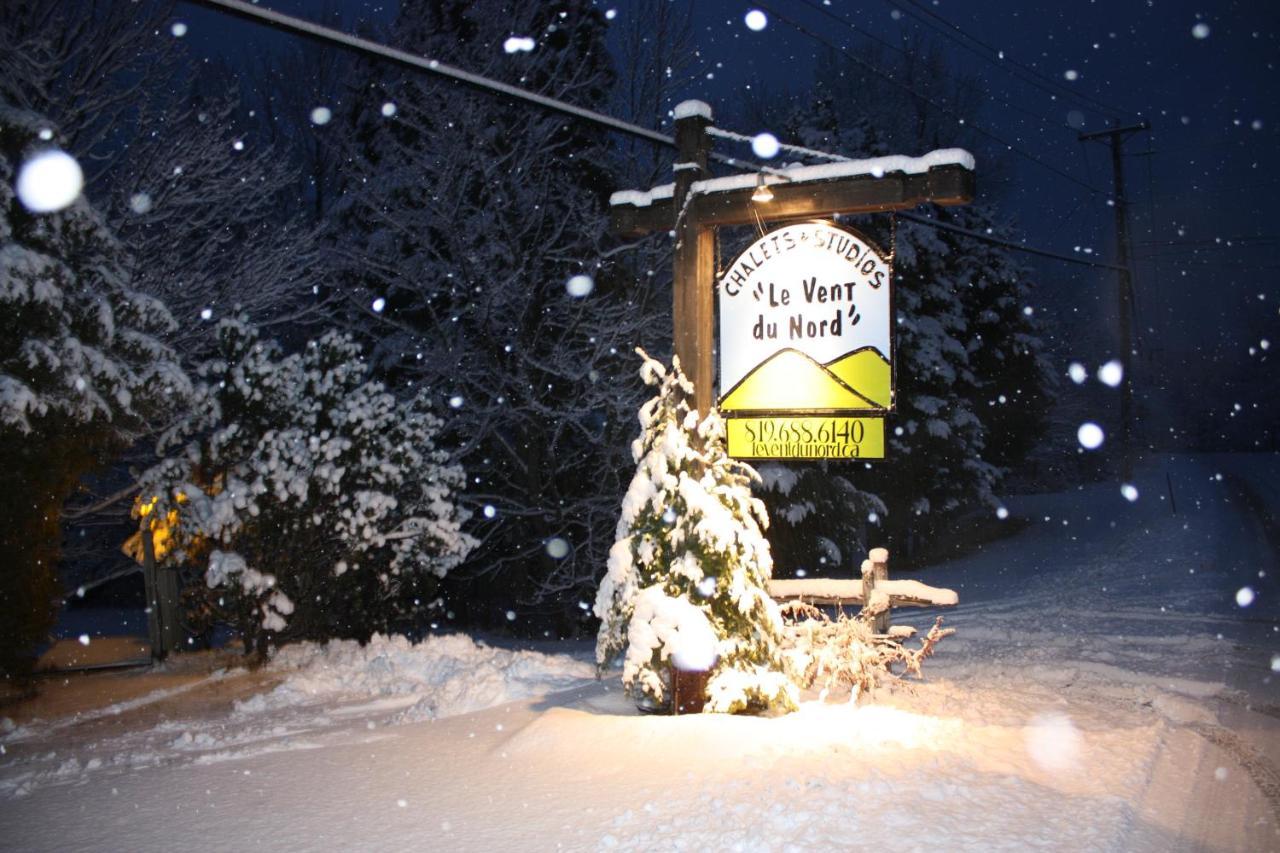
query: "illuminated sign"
806, 345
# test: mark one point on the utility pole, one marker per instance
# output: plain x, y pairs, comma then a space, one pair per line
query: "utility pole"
1116, 136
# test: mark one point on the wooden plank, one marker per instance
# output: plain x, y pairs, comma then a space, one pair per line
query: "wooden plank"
630, 221
826, 591
945, 185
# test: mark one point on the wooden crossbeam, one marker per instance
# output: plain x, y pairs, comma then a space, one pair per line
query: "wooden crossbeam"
902, 593
949, 184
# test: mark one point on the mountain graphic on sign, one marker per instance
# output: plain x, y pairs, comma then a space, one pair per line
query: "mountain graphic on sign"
866, 371
790, 380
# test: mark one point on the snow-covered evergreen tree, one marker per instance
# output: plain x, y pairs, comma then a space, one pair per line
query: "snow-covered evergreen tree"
82, 369
464, 223
687, 574
312, 501
208, 209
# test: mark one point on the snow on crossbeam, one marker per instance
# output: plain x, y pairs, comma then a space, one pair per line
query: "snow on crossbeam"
944, 177
875, 167
902, 593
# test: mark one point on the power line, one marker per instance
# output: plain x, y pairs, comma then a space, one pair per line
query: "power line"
996, 57
800, 28
1214, 242
298, 26
869, 35
1008, 244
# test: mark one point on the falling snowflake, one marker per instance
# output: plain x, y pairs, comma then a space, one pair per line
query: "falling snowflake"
579, 285
1245, 596
557, 548
388, 109
1200, 30
1090, 435
1130, 492
179, 29
756, 20
378, 305
1053, 742
1077, 372
518, 44
49, 181
489, 511
321, 115
84, 639
765, 145
140, 203
1111, 373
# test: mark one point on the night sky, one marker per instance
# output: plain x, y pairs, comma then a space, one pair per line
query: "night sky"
1204, 76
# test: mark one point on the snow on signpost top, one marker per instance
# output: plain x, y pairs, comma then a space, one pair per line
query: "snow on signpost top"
689, 109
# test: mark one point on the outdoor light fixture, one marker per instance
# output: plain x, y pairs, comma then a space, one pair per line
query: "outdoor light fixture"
762, 193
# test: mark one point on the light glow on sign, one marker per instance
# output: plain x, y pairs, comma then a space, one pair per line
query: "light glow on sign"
806, 324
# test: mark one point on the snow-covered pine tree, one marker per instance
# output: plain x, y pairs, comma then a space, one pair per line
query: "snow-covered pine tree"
690, 541
311, 501
463, 220
82, 374
209, 211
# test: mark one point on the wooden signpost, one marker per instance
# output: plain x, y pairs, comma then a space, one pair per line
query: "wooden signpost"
824, 379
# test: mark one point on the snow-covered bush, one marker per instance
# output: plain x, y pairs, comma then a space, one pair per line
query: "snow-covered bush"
691, 560
845, 653
81, 373
314, 502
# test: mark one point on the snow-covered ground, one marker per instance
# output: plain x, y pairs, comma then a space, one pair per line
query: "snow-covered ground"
1107, 690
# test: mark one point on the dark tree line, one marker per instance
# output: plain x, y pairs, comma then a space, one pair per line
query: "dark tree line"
462, 241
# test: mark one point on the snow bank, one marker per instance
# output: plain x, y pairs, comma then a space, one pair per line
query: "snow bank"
448, 675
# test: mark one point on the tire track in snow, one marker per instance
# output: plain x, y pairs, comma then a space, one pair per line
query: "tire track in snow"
1261, 771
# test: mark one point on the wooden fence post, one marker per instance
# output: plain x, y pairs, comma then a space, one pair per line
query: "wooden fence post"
155, 629
874, 570
164, 624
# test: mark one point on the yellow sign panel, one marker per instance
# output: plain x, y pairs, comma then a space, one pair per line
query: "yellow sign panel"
805, 437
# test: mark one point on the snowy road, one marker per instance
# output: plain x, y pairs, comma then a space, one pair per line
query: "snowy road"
1106, 692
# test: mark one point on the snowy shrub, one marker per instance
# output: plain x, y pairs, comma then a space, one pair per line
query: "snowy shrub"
691, 559
315, 503
845, 653
82, 372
